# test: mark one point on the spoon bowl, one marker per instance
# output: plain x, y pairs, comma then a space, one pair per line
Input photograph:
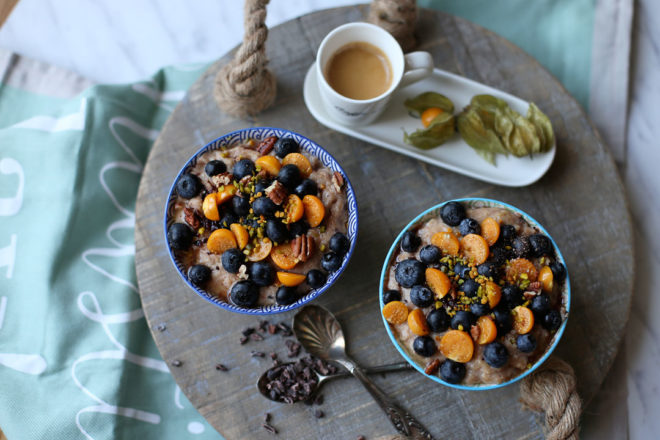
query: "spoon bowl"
321, 335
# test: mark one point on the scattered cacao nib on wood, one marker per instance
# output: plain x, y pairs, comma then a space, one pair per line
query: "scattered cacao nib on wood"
176, 363
221, 367
318, 400
259, 354
256, 337
267, 417
361, 437
161, 327
247, 331
243, 340
286, 330
269, 428
318, 413
272, 329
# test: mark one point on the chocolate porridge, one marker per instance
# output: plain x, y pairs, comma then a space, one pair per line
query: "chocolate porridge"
259, 223
474, 295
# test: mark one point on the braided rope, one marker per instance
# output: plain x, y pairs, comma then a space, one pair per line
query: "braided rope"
398, 17
244, 86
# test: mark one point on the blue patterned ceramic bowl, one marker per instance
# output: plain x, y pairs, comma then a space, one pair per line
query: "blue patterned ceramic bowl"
306, 145
474, 202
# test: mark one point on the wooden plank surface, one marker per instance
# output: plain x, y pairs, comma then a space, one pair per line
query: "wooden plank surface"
580, 201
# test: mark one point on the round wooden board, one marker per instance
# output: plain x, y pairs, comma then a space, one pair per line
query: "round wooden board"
580, 201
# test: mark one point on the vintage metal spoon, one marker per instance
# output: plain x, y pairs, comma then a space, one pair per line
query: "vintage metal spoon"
389, 368
321, 335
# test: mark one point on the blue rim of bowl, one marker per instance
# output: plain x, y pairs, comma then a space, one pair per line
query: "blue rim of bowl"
434, 210
307, 145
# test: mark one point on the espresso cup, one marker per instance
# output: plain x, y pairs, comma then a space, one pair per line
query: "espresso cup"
405, 69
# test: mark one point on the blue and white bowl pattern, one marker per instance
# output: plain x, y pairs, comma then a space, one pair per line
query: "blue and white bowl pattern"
474, 202
234, 138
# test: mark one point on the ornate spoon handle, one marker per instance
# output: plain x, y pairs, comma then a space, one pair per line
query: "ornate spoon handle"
402, 420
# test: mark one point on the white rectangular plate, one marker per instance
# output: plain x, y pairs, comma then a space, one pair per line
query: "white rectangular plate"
455, 154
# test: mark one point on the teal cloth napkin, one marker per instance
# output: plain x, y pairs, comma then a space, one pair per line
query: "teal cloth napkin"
76, 357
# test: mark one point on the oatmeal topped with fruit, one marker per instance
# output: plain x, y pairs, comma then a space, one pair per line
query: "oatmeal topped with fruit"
260, 222
474, 295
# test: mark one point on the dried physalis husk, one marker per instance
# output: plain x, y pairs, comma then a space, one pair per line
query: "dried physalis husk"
516, 132
477, 135
543, 126
419, 103
437, 133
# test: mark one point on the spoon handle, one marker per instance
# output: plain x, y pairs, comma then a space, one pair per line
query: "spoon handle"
402, 420
389, 368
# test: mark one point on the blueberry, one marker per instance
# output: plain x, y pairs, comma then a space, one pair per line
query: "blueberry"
462, 270
410, 241
438, 320
330, 261
424, 346
541, 245
503, 319
552, 320
306, 187
315, 278
507, 234
242, 168
264, 206
276, 231
179, 236
261, 273
215, 167
391, 295
488, 269
469, 226
284, 146
463, 320
479, 309
421, 296
340, 244
499, 254
298, 228
285, 295
199, 274
228, 219
452, 372
240, 205
244, 293
512, 295
452, 213
430, 254
261, 185
558, 271
232, 260
188, 186
289, 176
409, 272
521, 247
470, 287
526, 343
496, 355
540, 305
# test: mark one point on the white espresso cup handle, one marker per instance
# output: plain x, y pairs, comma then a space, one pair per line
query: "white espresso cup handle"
418, 66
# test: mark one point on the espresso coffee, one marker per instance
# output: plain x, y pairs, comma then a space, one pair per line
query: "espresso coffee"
359, 71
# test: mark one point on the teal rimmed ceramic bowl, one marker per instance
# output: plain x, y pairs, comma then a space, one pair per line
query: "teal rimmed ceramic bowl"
474, 202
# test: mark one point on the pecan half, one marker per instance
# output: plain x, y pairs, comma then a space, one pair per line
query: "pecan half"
266, 146
337, 180
432, 367
475, 332
302, 247
276, 192
534, 286
191, 218
529, 294
222, 179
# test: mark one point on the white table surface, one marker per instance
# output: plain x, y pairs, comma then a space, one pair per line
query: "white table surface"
115, 41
